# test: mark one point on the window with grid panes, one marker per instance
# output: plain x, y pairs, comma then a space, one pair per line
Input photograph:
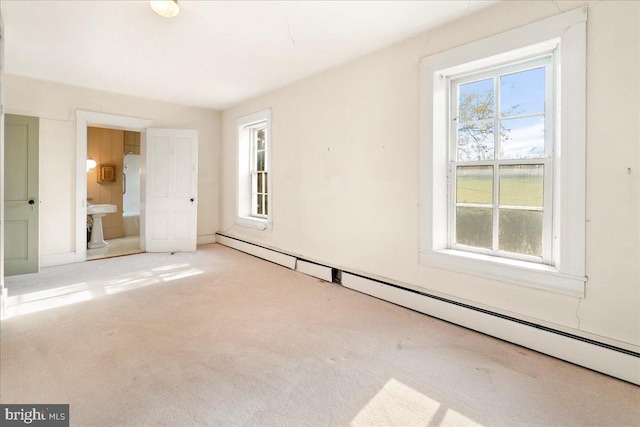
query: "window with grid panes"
503, 139
501, 161
259, 172
254, 185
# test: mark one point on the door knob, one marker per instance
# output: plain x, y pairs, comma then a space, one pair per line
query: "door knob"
32, 202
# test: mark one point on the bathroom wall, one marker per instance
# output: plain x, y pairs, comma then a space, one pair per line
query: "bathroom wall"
56, 105
106, 147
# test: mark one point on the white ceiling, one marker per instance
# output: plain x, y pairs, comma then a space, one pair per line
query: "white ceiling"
214, 53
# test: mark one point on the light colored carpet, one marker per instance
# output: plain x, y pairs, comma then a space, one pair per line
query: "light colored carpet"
218, 337
116, 247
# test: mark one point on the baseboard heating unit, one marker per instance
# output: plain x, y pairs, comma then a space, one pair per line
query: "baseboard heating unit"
608, 359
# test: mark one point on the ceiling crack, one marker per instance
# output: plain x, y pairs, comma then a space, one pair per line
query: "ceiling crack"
293, 41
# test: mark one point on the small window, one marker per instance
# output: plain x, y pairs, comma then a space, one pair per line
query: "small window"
259, 172
254, 165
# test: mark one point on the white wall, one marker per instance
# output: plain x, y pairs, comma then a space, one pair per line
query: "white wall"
346, 179
57, 186
56, 106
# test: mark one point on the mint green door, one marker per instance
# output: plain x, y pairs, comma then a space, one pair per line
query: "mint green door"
21, 201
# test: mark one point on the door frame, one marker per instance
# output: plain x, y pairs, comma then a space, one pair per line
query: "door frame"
84, 119
3, 290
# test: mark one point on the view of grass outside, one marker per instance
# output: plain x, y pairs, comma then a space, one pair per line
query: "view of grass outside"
519, 118
520, 185
520, 230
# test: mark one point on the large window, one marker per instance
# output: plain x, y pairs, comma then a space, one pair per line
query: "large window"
501, 161
254, 164
503, 156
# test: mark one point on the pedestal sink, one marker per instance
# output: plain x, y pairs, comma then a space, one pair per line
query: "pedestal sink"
97, 235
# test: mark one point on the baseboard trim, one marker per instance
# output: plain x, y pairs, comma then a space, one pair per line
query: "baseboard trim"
605, 358
3, 301
206, 239
60, 259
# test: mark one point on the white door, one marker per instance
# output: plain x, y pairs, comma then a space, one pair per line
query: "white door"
169, 206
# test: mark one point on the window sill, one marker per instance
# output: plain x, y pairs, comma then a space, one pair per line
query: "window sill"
250, 222
522, 273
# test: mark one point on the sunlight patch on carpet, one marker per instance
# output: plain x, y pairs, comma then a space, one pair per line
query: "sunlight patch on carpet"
398, 404
79, 292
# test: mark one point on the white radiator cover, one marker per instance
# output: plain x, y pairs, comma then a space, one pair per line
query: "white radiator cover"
315, 270
264, 253
611, 362
619, 364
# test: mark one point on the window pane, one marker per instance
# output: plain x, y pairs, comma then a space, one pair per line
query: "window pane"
521, 231
521, 185
259, 210
260, 139
522, 138
260, 166
476, 101
474, 227
259, 183
474, 184
522, 93
266, 188
266, 205
475, 141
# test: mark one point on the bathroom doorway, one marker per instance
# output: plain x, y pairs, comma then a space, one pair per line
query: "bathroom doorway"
113, 182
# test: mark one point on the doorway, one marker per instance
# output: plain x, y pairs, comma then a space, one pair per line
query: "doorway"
168, 184
84, 121
113, 179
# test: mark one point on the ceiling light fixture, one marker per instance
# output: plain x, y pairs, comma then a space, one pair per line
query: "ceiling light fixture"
165, 8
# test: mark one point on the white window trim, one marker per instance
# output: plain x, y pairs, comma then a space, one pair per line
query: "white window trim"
567, 33
244, 218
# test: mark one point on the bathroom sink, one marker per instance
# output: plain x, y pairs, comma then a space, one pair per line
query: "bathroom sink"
101, 209
97, 234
